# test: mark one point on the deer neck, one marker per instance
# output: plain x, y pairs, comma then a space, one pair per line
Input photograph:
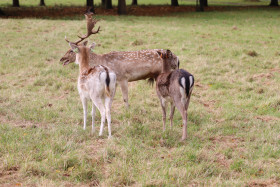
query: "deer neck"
84, 61
165, 68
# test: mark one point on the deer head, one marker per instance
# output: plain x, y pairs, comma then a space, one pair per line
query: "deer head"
78, 49
170, 61
70, 55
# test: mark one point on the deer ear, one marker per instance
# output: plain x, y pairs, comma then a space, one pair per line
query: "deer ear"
168, 53
92, 46
74, 47
85, 43
160, 54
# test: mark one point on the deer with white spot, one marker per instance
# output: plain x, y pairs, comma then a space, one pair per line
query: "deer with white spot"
95, 83
174, 87
128, 65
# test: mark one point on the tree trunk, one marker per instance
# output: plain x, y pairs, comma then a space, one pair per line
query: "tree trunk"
274, 3
1, 12
174, 3
90, 6
108, 4
121, 7
15, 3
89, 3
134, 2
205, 3
42, 3
201, 5
103, 3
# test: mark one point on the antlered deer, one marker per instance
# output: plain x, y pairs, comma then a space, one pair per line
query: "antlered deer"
175, 87
128, 65
94, 83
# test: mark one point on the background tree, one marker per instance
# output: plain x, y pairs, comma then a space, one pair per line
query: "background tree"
103, 3
108, 4
134, 2
205, 3
121, 7
201, 5
174, 3
15, 3
1, 12
89, 3
90, 7
274, 3
42, 3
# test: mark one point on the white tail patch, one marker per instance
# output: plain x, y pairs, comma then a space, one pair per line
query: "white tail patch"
183, 90
191, 80
183, 82
102, 77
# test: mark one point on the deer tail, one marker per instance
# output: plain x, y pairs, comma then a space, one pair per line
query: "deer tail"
107, 81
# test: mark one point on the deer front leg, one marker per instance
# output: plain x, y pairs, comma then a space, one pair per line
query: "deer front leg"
124, 88
84, 102
163, 107
172, 109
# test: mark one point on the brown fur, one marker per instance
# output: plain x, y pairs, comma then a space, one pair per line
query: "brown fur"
169, 89
129, 65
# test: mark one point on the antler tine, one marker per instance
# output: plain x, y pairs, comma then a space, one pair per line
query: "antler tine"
66, 39
90, 25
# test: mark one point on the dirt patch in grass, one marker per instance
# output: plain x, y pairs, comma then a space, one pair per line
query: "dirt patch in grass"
275, 70
96, 146
201, 86
222, 160
267, 118
18, 123
252, 53
227, 141
263, 183
10, 176
263, 75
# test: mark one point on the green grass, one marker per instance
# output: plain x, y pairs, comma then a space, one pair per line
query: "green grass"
233, 126
128, 2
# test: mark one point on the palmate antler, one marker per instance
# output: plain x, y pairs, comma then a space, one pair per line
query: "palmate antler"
90, 25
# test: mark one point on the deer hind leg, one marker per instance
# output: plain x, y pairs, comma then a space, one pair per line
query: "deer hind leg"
84, 102
93, 117
172, 110
163, 107
124, 87
100, 106
108, 103
182, 109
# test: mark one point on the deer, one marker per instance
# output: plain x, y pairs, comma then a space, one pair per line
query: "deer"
128, 65
174, 86
94, 83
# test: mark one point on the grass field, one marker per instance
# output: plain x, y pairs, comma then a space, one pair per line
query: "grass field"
234, 118
140, 2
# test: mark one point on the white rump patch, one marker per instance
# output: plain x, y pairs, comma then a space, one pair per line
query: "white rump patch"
182, 90
191, 80
183, 82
